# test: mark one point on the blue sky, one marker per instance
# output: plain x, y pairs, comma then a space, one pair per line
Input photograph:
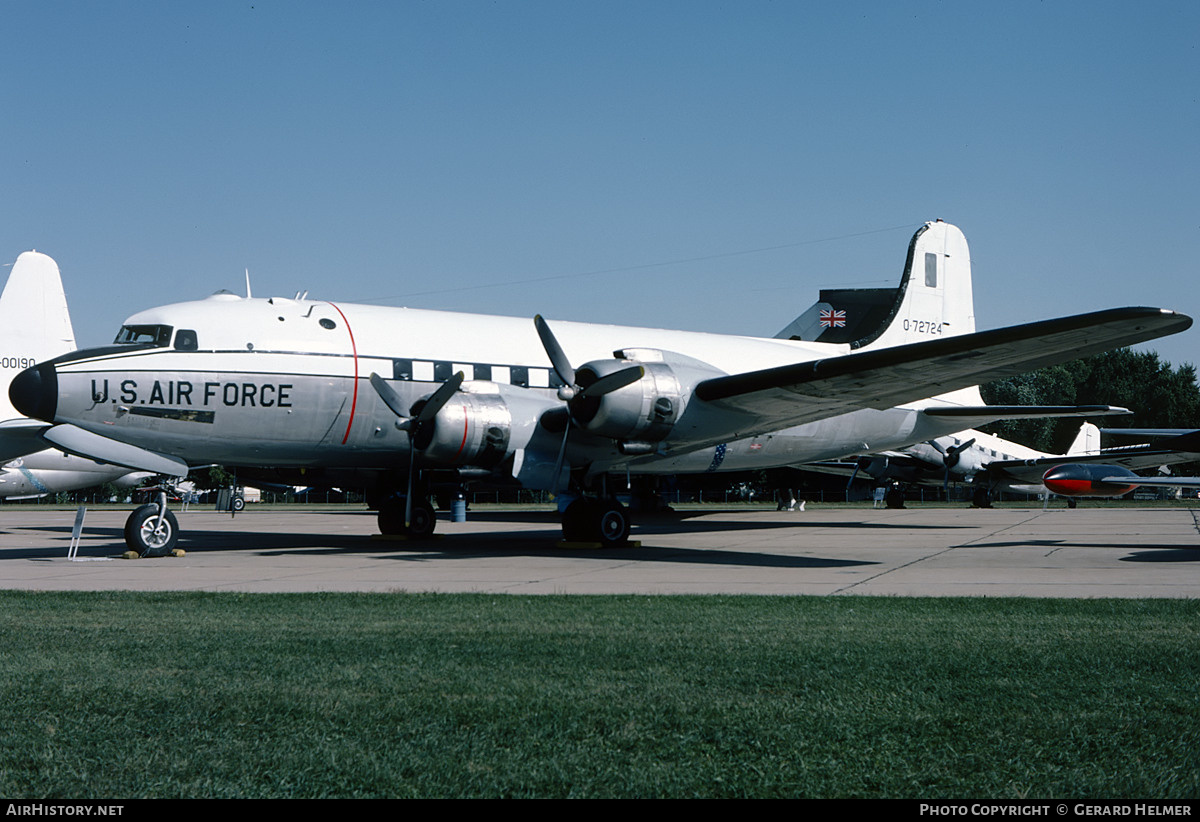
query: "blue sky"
693, 165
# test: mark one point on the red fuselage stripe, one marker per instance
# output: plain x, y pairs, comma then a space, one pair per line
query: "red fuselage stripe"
466, 428
354, 396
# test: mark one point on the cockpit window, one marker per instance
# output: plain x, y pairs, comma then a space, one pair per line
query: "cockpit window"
144, 335
185, 340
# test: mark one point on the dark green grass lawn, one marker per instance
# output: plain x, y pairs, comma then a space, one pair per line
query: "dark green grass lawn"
169, 695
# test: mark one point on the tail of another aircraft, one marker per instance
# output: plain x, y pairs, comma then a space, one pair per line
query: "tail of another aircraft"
34, 322
934, 299
1087, 441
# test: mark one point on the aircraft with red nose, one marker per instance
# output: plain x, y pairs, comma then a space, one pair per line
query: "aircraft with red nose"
1079, 480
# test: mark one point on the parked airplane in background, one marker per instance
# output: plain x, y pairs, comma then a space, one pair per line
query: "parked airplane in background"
1110, 472
969, 456
993, 464
1083, 480
35, 326
319, 393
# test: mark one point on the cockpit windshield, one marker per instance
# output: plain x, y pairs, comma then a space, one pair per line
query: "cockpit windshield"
144, 335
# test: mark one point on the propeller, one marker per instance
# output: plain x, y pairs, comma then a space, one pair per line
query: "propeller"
571, 392
950, 458
571, 389
418, 421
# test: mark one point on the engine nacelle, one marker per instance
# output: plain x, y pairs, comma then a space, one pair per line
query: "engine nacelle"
472, 428
642, 412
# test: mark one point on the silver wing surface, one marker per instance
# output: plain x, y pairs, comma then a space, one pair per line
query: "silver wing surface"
795, 394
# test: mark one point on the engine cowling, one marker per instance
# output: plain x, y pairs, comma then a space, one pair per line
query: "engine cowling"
642, 411
470, 429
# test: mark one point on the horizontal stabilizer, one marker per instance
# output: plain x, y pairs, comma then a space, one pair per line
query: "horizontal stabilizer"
83, 443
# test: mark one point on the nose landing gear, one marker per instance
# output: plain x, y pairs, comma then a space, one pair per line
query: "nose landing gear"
152, 530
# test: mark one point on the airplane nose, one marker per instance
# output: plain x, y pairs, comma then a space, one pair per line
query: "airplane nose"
34, 392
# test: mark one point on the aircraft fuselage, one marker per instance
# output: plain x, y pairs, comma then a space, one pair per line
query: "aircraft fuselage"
258, 382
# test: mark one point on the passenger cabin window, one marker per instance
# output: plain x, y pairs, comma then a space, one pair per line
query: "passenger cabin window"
185, 340
931, 270
144, 335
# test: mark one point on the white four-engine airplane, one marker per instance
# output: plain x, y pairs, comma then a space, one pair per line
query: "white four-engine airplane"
35, 326
316, 392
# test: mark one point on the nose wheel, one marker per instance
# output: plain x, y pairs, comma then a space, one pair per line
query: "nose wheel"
151, 531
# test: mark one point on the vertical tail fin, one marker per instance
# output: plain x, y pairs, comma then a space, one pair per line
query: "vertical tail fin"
935, 297
34, 322
1087, 441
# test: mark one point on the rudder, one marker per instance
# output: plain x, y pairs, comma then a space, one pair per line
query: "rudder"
1087, 441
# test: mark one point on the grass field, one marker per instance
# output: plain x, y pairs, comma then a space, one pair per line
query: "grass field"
120, 695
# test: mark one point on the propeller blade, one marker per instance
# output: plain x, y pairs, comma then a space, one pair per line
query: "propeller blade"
412, 469
428, 411
558, 359
613, 382
558, 463
389, 396
440, 398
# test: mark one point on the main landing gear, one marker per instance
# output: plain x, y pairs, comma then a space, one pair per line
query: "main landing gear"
422, 519
981, 497
593, 519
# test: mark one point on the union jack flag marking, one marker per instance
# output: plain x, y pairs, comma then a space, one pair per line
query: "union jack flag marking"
831, 318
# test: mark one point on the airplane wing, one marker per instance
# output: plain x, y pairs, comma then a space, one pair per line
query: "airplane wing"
1149, 433
21, 437
983, 414
880, 466
804, 392
1170, 451
1164, 482
81, 443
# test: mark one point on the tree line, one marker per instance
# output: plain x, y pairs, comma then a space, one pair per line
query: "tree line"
1159, 395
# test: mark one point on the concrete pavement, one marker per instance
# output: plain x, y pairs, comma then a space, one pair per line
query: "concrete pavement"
826, 550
